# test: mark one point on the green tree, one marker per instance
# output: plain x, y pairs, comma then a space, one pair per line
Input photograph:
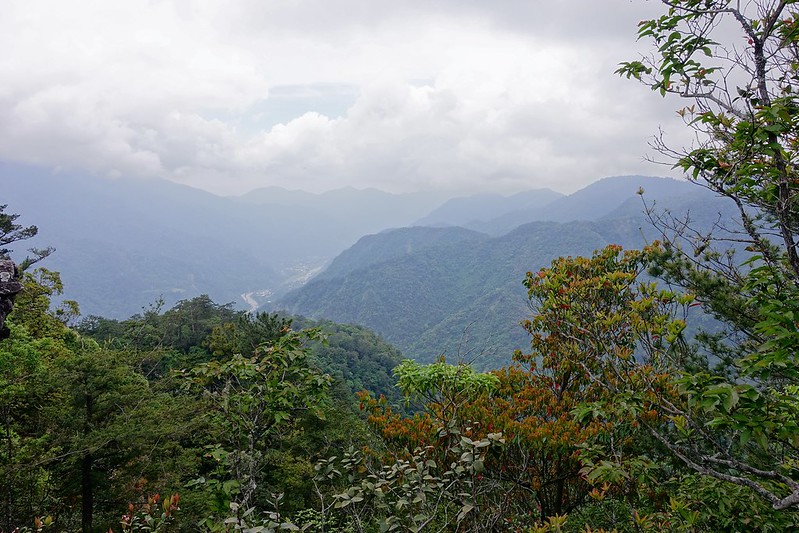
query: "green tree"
23, 392
736, 424
11, 232
37, 336
431, 473
246, 333
81, 424
593, 322
105, 413
613, 343
255, 401
189, 322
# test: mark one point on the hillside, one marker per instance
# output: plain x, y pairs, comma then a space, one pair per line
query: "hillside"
393, 244
462, 295
122, 244
423, 301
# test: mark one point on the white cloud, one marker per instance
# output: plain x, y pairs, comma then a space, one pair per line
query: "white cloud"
518, 94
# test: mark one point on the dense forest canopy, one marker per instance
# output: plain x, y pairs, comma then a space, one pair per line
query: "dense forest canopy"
613, 418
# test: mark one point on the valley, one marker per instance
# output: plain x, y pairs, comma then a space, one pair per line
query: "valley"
432, 276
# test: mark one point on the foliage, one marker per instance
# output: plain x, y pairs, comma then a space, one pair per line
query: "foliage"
357, 358
440, 382
736, 423
426, 489
597, 320
432, 473
247, 333
594, 322
83, 422
734, 507
152, 516
585, 314
184, 329
36, 336
110, 426
354, 356
247, 521
255, 401
33, 306
11, 232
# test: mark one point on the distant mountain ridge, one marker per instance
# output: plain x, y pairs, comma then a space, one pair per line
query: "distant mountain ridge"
461, 293
597, 200
469, 211
123, 243
393, 244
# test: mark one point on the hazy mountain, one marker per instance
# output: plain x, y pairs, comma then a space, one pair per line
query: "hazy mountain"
358, 211
602, 197
424, 302
472, 210
393, 244
595, 201
461, 292
122, 243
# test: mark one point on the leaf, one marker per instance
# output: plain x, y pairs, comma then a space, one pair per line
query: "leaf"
465, 510
730, 400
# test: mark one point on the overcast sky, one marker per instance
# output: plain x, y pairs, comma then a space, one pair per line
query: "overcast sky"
401, 95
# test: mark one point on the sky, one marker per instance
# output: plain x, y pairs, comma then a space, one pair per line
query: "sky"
402, 95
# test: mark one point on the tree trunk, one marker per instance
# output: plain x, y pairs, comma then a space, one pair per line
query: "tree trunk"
87, 491
10, 481
87, 488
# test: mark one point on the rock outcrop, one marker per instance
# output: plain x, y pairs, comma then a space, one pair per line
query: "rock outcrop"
10, 286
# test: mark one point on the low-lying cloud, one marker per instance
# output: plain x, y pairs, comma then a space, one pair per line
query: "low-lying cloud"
461, 96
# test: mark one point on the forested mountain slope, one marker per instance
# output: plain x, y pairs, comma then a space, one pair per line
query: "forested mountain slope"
423, 301
396, 243
461, 294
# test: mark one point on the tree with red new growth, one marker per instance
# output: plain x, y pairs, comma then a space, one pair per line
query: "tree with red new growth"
586, 312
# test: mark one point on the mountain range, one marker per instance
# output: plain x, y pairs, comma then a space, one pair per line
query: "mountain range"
458, 292
432, 275
122, 243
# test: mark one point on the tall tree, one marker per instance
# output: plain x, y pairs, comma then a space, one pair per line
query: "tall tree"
586, 311
36, 337
11, 232
737, 424
254, 401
